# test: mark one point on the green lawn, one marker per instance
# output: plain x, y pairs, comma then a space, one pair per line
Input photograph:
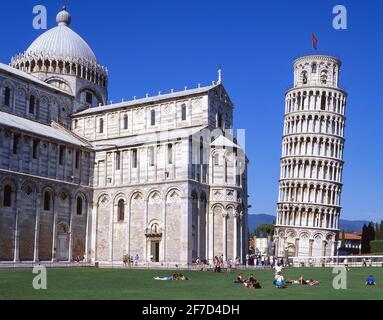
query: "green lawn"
138, 284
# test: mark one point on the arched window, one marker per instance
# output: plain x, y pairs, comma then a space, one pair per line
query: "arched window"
323, 102
32, 103
216, 159
219, 120
226, 171
153, 117
47, 201
151, 156
7, 96
126, 122
304, 77
134, 158
7, 200
89, 97
314, 67
79, 206
170, 153
183, 112
101, 126
121, 210
323, 77
118, 160
201, 151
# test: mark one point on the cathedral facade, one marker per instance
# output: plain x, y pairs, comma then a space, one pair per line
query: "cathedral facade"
159, 177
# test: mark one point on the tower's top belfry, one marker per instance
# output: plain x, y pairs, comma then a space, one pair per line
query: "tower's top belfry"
317, 70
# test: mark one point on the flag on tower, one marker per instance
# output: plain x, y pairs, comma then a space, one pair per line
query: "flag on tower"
314, 41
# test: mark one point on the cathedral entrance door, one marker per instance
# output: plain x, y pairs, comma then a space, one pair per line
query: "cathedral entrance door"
155, 251
62, 248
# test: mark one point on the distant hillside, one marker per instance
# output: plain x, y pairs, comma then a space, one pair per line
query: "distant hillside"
256, 220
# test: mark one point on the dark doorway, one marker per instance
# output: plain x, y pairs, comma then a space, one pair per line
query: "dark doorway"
155, 251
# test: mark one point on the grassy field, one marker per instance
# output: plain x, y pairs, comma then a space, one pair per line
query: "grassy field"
69, 284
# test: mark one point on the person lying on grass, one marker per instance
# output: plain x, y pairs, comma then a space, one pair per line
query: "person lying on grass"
174, 277
279, 281
252, 283
370, 281
302, 281
239, 278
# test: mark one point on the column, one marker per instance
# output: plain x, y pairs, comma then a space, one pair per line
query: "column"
54, 240
198, 235
72, 206
332, 248
110, 236
145, 219
164, 229
311, 242
16, 251
211, 236
94, 232
324, 244
87, 230
224, 234
16, 255
235, 236
297, 247
241, 236
37, 228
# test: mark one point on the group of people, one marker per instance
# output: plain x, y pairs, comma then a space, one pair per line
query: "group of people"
262, 260
250, 282
79, 259
129, 260
280, 283
219, 264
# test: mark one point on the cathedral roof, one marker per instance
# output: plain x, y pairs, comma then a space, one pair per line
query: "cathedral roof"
62, 42
154, 99
224, 142
167, 135
26, 76
39, 129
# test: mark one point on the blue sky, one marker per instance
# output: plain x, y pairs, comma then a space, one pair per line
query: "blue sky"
151, 46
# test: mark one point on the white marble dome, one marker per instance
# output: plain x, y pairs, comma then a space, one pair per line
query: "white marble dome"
62, 42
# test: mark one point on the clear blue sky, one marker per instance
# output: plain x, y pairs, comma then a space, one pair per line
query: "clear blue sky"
150, 46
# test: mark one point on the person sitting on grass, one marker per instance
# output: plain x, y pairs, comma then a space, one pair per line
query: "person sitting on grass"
181, 277
302, 280
279, 281
252, 283
239, 278
370, 281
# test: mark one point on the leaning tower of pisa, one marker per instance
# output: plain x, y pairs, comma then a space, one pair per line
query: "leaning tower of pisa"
312, 160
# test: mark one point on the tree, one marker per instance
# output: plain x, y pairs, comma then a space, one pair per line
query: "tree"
372, 232
368, 235
379, 231
264, 230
